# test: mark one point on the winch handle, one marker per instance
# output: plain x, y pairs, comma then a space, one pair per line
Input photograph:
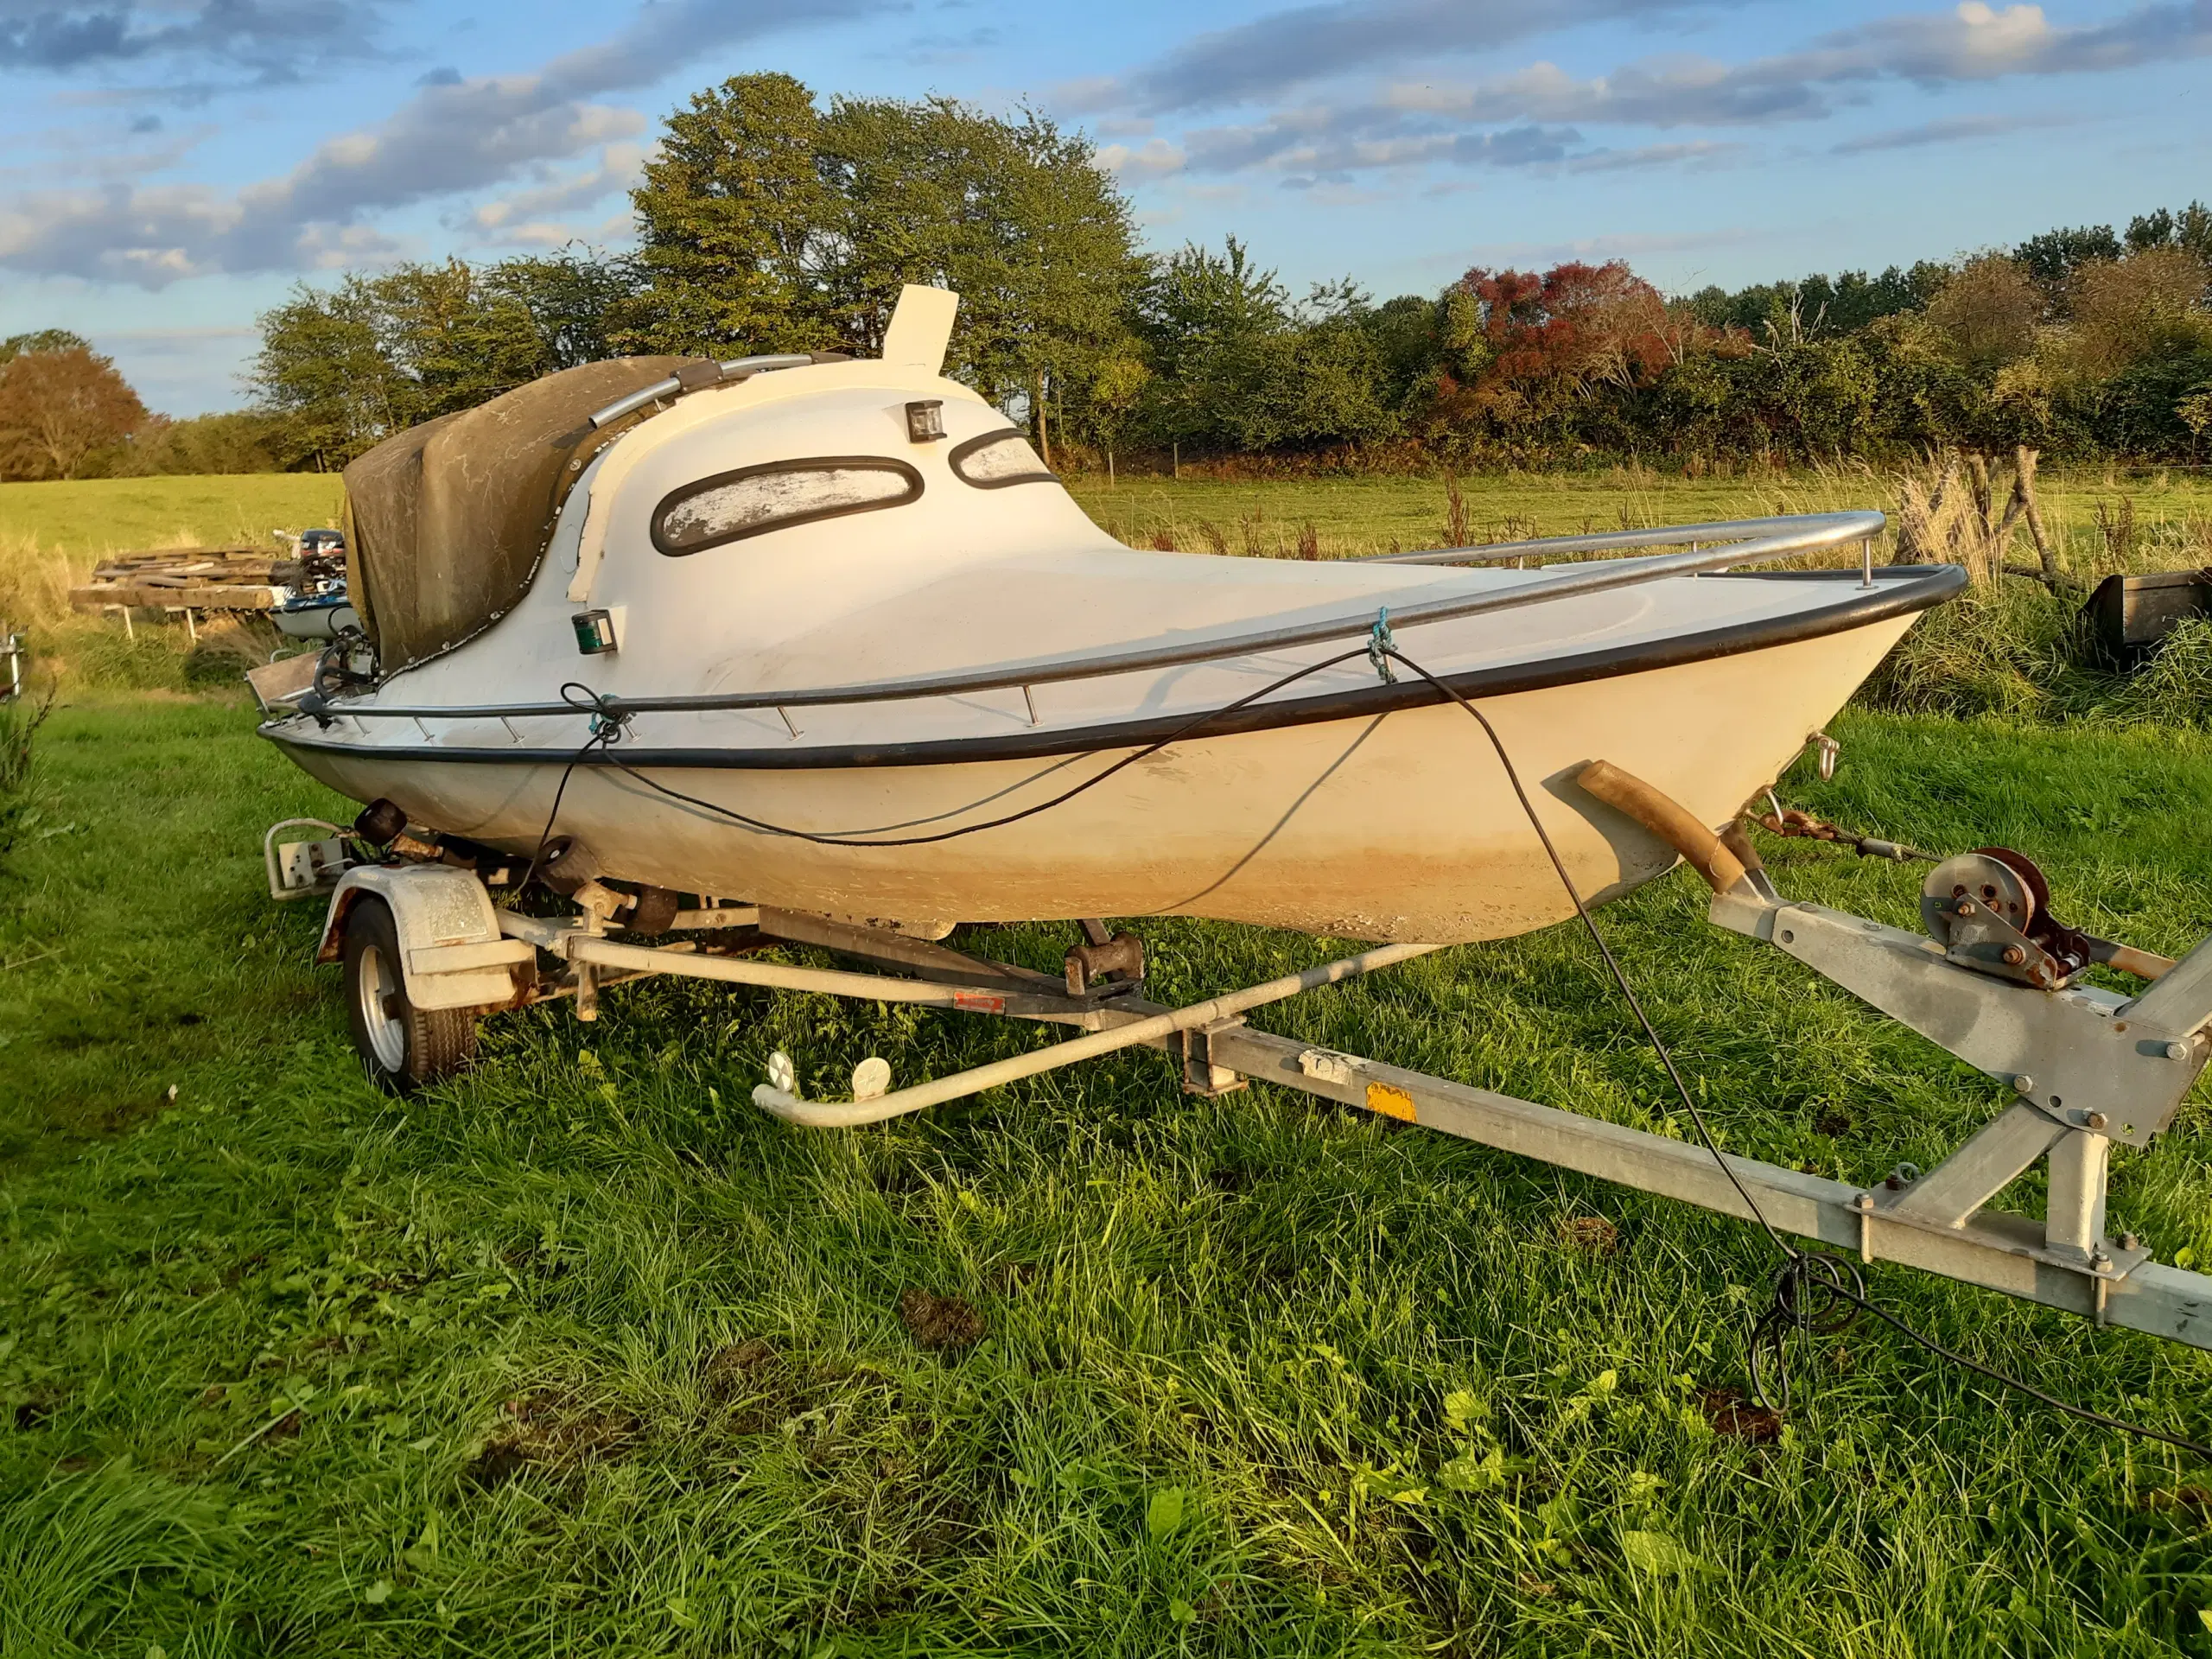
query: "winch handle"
1669, 820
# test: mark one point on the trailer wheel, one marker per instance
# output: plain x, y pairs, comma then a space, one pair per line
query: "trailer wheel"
403, 1047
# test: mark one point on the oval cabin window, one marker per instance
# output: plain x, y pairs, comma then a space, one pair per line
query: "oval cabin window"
998, 458
753, 500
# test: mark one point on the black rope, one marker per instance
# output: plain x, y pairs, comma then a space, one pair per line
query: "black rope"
1188, 730
608, 725
1814, 1288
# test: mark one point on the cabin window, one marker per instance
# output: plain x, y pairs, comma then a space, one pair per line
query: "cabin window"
753, 500
998, 458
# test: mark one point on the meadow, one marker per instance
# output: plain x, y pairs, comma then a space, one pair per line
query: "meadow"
581, 1353
1350, 516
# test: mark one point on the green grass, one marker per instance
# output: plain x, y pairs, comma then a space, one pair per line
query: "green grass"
108, 515
1352, 516
53, 534
582, 1354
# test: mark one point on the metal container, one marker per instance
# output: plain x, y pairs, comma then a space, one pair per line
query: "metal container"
2129, 616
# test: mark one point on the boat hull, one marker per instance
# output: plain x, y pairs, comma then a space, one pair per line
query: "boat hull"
1397, 826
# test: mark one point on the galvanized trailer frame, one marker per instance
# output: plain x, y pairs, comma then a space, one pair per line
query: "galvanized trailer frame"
2105, 1067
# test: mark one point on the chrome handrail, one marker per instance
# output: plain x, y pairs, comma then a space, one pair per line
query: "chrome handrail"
1594, 541
739, 368
1766, 539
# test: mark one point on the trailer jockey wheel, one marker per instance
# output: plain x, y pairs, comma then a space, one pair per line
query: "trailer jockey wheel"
403, 1047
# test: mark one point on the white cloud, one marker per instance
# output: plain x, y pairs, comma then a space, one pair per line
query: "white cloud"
1154, 160
1951, 129
505, 217
1700, 152
449, 138
1301, 44
271, 40
1530, 116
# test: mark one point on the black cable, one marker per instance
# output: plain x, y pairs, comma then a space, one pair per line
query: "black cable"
1620, 979
1811, 1283
1189, 729
607, 726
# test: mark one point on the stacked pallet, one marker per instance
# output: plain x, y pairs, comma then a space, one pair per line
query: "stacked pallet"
187, 578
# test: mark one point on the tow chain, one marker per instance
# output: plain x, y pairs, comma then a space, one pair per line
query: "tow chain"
1789, 822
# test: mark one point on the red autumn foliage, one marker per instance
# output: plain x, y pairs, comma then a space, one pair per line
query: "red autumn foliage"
1576, 324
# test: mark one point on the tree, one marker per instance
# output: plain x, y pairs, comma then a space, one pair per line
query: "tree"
2189, 229
1115, 389
2052, 259
1407, 336
574, 300
1818, 305
767, 225
1237, 366
2149, 304
236, 441
59, 408
1208, 321
43, 340
731, 217
1987, 312
323, 370
348, 367
1523, 349
1017, 216
2195, 412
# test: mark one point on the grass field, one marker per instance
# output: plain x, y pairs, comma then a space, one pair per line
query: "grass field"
115, 514
1352, 516
580, 1354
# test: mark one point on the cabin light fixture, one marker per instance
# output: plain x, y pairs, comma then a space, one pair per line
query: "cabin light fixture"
596, 632
925, 420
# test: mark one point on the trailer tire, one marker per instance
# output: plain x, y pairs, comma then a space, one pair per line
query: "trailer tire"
404, 1048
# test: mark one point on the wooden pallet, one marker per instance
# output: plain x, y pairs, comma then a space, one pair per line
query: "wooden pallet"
188, 578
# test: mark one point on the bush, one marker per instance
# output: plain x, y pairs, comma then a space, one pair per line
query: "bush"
18, 726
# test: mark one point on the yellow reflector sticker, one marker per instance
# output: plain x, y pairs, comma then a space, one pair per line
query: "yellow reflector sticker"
1391, 1102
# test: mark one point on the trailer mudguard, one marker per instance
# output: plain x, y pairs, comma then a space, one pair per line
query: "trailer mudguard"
453, 953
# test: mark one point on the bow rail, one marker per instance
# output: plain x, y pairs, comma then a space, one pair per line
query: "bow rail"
1744, 541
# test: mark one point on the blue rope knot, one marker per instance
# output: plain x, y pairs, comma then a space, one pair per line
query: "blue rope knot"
1380, 643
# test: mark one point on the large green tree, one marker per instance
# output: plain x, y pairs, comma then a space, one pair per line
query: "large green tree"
767, 225
732, 215
1237, 365
347, 366
1018, 216
324, 369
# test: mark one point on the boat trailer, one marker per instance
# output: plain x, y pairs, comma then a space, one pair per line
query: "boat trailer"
1994, 979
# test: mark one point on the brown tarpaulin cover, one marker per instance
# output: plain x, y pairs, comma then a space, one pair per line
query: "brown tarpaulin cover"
447, 521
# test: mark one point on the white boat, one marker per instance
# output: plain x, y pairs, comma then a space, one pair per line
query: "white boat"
825, 634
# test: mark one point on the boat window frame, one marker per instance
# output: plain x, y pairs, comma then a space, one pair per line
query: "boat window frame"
907, 470
967, 446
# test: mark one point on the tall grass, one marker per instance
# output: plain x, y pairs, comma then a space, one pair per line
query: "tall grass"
18, 725
156, 652
2009, 647
74, 1551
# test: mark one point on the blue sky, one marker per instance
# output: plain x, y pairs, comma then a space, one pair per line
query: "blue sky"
172, 167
